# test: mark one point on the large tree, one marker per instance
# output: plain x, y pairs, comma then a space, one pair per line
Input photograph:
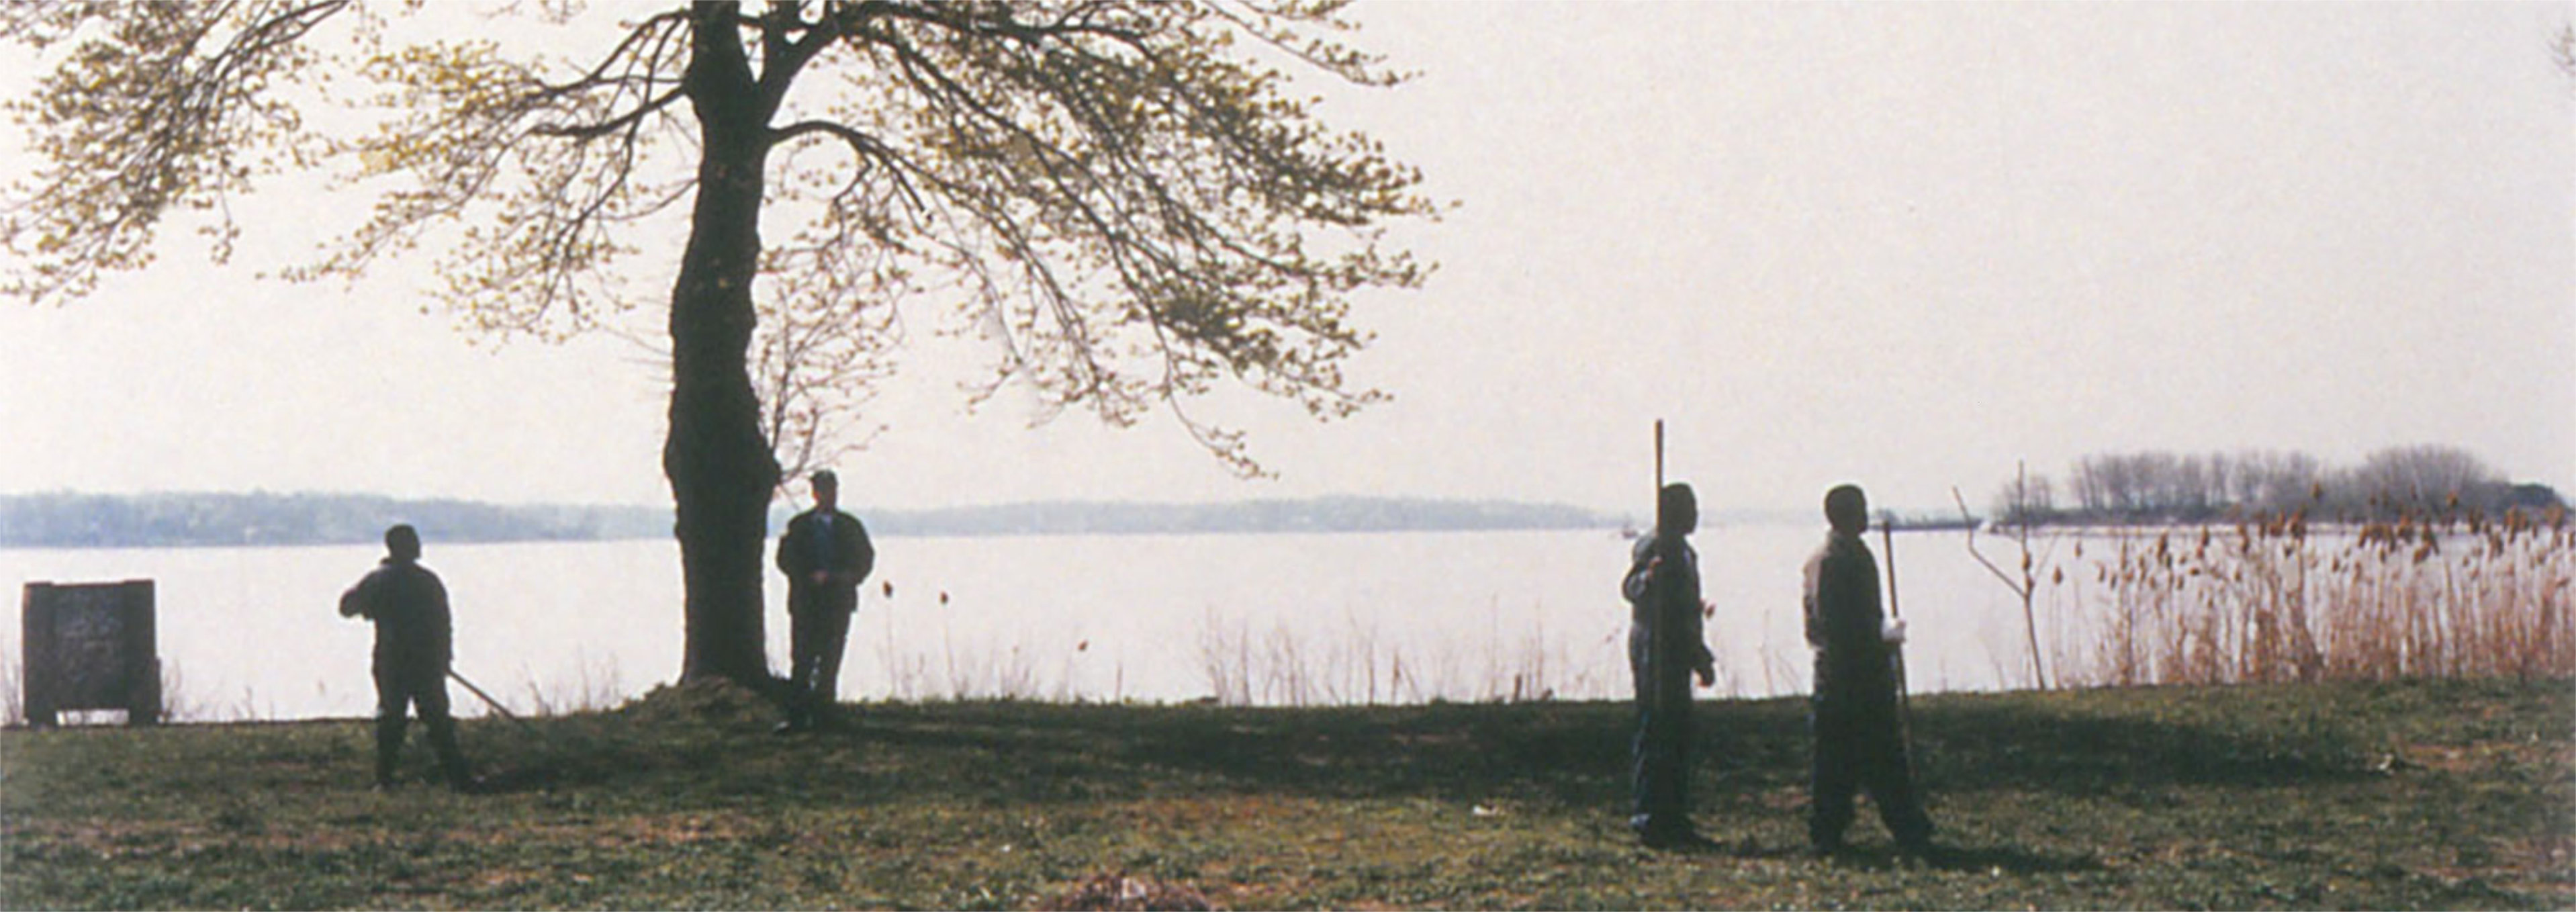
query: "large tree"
1123, 193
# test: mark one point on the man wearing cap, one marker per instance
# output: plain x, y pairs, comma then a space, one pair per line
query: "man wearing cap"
413, 647
825, 554
1664, 650
1852, 716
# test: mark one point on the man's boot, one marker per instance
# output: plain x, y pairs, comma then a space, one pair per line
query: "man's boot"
389, 738
451, 759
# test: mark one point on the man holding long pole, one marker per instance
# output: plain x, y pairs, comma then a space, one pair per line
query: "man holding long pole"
1853, 716
1664, 650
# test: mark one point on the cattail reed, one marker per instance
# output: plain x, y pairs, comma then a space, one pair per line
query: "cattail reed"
2444, 594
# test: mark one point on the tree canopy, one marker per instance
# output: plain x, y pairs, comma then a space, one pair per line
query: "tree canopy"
1125, 196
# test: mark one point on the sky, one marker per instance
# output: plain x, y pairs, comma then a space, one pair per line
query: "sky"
1904, 245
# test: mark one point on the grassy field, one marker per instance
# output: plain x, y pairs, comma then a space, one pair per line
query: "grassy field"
2412, 795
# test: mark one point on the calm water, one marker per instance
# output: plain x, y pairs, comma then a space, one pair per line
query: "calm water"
254, 632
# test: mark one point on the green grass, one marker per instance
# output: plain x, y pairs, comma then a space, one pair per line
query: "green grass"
2406, 795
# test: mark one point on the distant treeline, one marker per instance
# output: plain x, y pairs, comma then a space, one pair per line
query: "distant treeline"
2162, 487
1326, 514
221, 520
214, 520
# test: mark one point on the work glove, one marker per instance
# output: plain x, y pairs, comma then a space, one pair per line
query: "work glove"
1893, 633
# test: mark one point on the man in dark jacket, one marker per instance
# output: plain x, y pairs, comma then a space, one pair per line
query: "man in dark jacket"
1852, 718
413, 646
1664, 650
825, 554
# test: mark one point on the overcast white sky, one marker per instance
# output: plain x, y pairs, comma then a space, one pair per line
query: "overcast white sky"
1899, 244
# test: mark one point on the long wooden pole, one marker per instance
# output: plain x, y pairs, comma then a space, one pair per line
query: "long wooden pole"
1655, 588
487, 698
1904, 698
1659, 471
1887, 540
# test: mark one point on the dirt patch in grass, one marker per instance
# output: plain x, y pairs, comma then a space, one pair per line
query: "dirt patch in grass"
1122, 893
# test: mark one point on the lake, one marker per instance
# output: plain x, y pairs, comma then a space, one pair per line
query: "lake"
254, 633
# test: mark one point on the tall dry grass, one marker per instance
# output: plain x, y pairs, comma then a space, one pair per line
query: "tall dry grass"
13, 689
595, 684
1284, 666
2278, 600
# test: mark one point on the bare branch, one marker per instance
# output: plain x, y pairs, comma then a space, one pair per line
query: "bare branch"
620, 123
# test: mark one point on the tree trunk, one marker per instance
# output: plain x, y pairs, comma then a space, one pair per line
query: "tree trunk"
721, 470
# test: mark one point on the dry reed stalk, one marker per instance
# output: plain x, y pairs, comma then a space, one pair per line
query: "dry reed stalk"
2421, 596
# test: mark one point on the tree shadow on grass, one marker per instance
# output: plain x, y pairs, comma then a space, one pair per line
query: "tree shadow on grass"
1972, 745
1754, 748
1750, 754
1578, 752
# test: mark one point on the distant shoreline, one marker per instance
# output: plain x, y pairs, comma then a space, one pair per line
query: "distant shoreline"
65, 520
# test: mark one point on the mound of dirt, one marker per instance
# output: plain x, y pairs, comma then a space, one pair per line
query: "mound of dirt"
1121, 893
705, 701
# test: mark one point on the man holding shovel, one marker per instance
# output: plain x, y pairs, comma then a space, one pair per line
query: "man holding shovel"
413, 648
1853, 715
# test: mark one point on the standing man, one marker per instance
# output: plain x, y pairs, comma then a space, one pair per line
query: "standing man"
413, 646
1852, 717
1664, 651
825, 554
